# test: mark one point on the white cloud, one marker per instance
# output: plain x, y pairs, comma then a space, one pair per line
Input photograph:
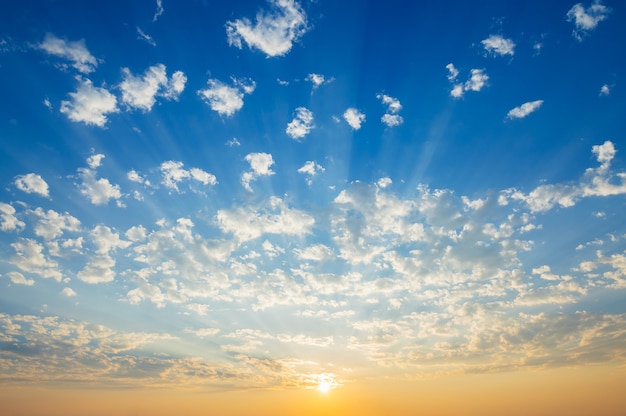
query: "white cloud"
69, 292
274, 32
51, 224
224, 99
141, 92
99, 269
586, 19
32, 183
106, 240
76, 52
174, 173
524, 109
453, 72
233, 142
499, 45
30, 258
260, 164
18, 278
354, 118
605, 90
146, 37
98, 190
249, 223
159, 10
311, 168
8, 220
89, 104
301, 124
391, 118
477, 80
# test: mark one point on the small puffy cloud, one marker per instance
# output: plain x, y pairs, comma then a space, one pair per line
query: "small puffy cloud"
453, 73
89, 104
391, 118
311, 168
225, 99
605, 90
260, 164
524, 109
141, 92
18, 278
477, 81
604, 152
317, 80
76, 52
586, 19
98, 190
69, 292
274, 31
174, 173
384, 182
8, 220
51, 224
32, 183
301, 124
99, 269
354, 118
499, 45
233, 142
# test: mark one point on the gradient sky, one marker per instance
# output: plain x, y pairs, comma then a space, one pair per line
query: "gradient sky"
260, 202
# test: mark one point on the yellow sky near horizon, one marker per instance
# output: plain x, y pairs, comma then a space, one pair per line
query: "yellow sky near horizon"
589, 390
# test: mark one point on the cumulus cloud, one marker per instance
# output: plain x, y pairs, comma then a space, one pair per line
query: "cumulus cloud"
476, 82
317, 80
18, 278
31, 183
354, 118
99, 190
224, 99
391, 118
586, 19
524, 109
75, 52
260, 164
68, 292
89, 104
141, 92
51, 224
8, 220
605, 90
174, 173
301, 124
274, 31
311, 169
499, 45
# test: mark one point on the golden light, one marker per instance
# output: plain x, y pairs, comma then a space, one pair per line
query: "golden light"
325, 382
324, 386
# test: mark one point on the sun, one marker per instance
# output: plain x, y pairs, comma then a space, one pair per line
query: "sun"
324, 386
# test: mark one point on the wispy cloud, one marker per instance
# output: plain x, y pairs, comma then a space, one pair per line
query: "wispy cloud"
145, 37
74, 51
159, 10
274, 31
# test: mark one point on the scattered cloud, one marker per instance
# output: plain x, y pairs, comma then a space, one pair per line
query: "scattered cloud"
174, 173
605, 90
318, 80
8, 220
18, 278
524, 109
301, 125
141, 92
391, 118
145, 37
69, 292
260, 164
311, 168
233, 142
274, 31
498, 45
476, 82
31, 183
90, 104
99, 191
354, 118
224, 99
76, 52
159, 10
586, 19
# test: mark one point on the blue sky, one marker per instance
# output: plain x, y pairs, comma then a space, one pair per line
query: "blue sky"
273, 193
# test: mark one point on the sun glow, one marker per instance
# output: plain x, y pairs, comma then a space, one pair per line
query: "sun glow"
326, 382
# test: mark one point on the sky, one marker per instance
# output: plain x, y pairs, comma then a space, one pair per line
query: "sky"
312, 207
